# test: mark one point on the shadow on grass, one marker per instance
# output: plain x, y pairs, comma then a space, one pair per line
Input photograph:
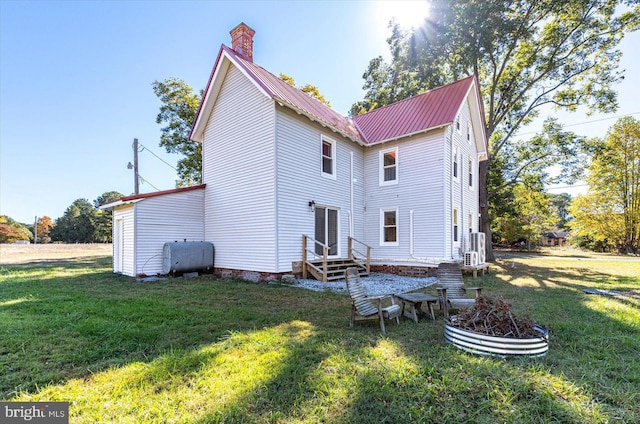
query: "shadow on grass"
208, 350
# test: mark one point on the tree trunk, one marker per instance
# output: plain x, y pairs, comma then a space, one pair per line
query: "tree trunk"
485, 219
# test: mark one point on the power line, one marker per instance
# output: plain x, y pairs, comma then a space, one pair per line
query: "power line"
569, 186
587, 122
147, 181
157, 157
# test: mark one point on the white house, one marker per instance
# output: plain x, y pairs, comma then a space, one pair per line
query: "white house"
279, 165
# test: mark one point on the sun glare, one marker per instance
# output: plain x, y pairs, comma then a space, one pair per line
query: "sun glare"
408, 13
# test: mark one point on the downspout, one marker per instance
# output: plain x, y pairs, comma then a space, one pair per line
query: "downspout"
351, 194
450, 223
411, 234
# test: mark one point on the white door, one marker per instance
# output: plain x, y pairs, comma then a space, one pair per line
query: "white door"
327, 229
118, 244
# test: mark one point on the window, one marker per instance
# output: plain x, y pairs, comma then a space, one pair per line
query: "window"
389, 166
455, 224
458, 123
470, 222
470, 173
455, 161
468, 132
328, 158
389, 227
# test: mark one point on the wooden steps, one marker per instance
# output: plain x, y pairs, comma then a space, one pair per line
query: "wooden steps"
335, 269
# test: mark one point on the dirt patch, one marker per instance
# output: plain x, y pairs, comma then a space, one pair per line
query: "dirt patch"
46, 253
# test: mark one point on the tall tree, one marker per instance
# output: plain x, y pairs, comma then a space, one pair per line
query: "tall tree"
43, 229
610, 211
104, 218
561, 203
77, 224
526, 54
178, 111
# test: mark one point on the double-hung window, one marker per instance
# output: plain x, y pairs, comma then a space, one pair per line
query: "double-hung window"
389, 166
455, 162
470, 173
455, 225
328, 158
389, 227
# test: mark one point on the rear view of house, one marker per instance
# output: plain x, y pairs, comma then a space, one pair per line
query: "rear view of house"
286, 177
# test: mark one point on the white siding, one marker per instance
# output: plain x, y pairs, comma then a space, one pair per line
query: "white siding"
239, 170
300, 181
127, 214
464, 198
161, 219
420, 187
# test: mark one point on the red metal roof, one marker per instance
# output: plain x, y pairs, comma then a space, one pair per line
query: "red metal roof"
431, 109
277, 89
161, 193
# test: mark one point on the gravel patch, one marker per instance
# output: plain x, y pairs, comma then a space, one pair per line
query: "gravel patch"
375, 284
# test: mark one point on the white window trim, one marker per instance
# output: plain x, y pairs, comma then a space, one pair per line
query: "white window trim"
469, 133
334, 158
455, 159
471, 164
455, 222
458, 124
381, 167
382, 241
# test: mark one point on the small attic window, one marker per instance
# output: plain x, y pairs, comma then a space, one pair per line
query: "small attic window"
468, 132
458, 123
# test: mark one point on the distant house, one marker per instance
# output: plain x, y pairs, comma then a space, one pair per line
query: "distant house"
280, 167
554, 238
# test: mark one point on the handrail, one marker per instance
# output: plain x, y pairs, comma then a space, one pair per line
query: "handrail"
305, 262
352, 250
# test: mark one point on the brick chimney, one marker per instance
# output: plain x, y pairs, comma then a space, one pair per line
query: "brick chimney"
242, 40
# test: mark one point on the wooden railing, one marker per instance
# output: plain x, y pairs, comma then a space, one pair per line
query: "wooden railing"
363, 259
307, 265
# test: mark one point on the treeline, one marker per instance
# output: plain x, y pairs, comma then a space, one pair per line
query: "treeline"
82, 222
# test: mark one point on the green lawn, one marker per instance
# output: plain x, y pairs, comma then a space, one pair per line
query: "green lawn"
209, 350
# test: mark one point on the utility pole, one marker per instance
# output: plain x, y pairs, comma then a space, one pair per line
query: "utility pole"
136, 176
35, 231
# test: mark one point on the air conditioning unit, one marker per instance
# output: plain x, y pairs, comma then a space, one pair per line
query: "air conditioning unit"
470, 258
478, 245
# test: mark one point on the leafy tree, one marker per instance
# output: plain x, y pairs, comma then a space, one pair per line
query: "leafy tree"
77, 224
11, 230
610, 212
43, 229
561, 203
526, 54
311, 90
534, 214
178, 110
104, 218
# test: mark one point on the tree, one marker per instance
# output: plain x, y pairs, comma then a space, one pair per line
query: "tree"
610, 211
77, 224
311, 90
178, 110
534, 214
526, 54
43, 229
11, 230
104, 218
561, 203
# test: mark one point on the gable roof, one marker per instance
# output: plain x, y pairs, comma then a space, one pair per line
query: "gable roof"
430, 110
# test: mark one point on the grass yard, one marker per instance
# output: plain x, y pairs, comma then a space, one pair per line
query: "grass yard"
209, 350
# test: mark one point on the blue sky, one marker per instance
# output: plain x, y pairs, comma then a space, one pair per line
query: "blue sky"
75, 82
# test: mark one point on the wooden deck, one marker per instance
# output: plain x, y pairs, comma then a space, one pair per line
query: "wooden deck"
475, 268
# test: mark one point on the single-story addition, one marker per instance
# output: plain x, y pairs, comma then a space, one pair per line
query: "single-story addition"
291, 185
